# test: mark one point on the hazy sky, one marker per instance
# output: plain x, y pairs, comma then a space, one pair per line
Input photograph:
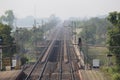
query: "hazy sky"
61, 8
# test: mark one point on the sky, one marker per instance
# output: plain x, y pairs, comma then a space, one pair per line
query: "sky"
61, 8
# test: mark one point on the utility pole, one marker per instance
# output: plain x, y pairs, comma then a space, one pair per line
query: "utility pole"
35, 16
34, 22
75, 33
1, 41
0, 57
72, 30
86, 41
43, 27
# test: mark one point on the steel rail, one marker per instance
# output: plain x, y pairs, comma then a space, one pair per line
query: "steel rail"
60, 70
46, 61
47, 58
70, 63
42, 54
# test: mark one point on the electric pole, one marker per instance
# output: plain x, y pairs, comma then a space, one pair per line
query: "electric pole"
86, 41
75, 33
1, 41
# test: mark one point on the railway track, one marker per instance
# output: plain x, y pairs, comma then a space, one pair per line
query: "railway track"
58, 61
37, 67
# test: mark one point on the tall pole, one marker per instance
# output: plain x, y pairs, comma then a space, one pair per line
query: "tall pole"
86, 41
1, 40
75, 34
1, 57
34, 17
72, 31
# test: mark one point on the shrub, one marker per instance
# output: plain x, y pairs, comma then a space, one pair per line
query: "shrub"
116, 76
23, 60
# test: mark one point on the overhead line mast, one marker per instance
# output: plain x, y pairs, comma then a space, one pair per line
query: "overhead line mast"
34, 25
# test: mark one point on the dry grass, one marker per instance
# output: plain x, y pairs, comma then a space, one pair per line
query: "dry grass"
98, 50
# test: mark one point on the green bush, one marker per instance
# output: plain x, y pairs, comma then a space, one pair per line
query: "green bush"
104, 69
23, 60
113, 70
3, 69
116, 76
110, 70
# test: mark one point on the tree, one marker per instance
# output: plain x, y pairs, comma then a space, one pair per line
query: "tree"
114, 18
5, 32
96, 29
8, 18
114, 35
27, 38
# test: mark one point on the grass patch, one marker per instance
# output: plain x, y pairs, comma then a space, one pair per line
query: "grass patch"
107, 64
98, 53
31, 57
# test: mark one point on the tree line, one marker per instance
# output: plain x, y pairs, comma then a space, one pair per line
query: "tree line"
17, 39
102, 32
113, 41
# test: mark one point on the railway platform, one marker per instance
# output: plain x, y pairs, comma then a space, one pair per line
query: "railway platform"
12, 75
